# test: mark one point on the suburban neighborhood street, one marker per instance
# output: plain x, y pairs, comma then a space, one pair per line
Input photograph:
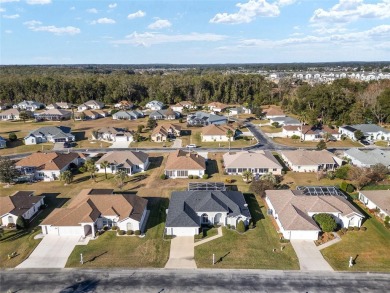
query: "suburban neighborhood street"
167, 280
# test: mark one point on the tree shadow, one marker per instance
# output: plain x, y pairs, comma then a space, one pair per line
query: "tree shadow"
231, 187
155, 162
15, 143
222, 257
79, 135
157, 207
138, 178
51, 202
211, 167
81, 179
88, 285
281, 162
95, 257
254, 207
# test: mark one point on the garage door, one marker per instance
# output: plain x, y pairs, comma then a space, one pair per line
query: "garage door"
183, 231
67, 231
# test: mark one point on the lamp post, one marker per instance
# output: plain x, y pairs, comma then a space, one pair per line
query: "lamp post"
81, 259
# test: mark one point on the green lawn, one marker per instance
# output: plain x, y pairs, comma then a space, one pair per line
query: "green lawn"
330, 144
382, 143
251, 250
370, 248
271, 129
110, 250
206, 233
377, 187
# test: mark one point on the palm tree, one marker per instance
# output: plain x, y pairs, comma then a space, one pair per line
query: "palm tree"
268, 177
120, 177
247, 175
105, 165
90, 167
66, 176
229, 134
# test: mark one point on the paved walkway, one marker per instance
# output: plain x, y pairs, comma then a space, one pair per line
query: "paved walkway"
310, 258
329, 243
210, 238
51, 252
181, 255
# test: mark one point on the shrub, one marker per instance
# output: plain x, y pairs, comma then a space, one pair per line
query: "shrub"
343, 186
363, 228
326, 222
196, 177
275, 124
163, 176
12, 136
229, 180
342, 172
114, 228
344, 230
295, 136
11, 225
350, 228
21, 223
205, 176
105, 228
241, 227
228, 226
121, 232
233, 227
350, 188
137, 232
130, 232
251, 225
190, 176
356, 228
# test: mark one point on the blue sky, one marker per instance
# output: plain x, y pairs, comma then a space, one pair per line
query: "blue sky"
193, 31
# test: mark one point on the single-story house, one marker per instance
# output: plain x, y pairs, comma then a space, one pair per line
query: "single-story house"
284, 121
166, 114
259, 162
49, 134
46, 166
376, 199
217, 106
215, 132
3, 143
189, 210
203, 119
369, 158
309, 161
90, 114
13, 114
54, 115
93, 209
181, 164
180, 106
155, 105
371, 132
239, 110
165, 131
113, 134
91, 104
129, 161
311, 133
127, 115
21, 203
273, 112
59, 105
293, 211
29, 106
124, 105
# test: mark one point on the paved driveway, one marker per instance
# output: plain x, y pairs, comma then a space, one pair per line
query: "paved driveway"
181, 255
51, 252
310, 258
177, 143
120, 144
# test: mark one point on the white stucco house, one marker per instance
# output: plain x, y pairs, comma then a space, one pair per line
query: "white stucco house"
189, 210
49, 134
293, 211
371, 132
13, 114
181, 164
90, 105
309, 161
155, 105
368, 158
180, 106
129, 161
29, 106
376, 199
113, 134
92, 209
21, 203
213, 132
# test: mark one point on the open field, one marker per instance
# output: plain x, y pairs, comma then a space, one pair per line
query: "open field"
251, 250
294, 179
330, 144
370, 248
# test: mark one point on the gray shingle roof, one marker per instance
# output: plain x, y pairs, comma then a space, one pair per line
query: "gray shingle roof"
373, 157
367, 128
184, 206
53, 131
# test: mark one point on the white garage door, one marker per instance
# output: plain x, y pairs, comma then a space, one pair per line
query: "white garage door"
67, 231
304, 235
181, 231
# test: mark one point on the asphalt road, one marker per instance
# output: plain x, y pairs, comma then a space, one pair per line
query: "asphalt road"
164, 280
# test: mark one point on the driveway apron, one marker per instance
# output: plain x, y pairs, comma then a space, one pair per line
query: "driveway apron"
310, 258
181, 255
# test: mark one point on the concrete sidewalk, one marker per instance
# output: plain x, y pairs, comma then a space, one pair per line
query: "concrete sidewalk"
181, 255
211, 238
310, 258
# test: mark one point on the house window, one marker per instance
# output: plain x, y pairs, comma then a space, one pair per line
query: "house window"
274, 169
205, 218
239, 170
182, 173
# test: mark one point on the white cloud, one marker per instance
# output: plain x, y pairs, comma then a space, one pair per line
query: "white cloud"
13, 16
351, 10
137, 14
37, 26
8, 1
72, 8
2, 9
8, 31
112, 5
285, 2
38, 2
160, 24
103, 20
148, 39
248, 12
92, 10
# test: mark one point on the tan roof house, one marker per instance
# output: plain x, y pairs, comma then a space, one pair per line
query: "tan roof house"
21, 203
273, 112
92, 209
180, 106
217, 106
215, 132
113, 134
45, 166
128, 161
293, 212
182, 164
165, 131
124, 105
376, 199
309, 161
258, 163
13, 114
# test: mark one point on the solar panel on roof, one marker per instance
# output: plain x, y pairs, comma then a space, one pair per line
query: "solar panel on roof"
206, 186
320, 190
